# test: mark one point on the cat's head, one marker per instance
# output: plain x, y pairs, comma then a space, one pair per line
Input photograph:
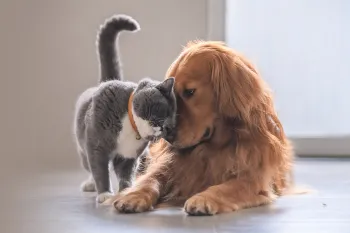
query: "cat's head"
154, 109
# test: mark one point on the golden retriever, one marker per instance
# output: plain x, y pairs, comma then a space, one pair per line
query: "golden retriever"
230, 151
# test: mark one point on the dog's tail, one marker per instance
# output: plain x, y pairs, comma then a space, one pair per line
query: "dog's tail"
107, 44
293, 189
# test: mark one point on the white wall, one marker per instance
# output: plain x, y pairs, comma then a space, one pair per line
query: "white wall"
47, 57
303, 51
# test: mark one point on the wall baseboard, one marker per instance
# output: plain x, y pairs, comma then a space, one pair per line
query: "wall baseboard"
322, 147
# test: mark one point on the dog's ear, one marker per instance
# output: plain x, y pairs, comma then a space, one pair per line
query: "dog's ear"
237, 85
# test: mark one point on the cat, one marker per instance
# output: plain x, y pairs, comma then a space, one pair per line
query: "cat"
115, 121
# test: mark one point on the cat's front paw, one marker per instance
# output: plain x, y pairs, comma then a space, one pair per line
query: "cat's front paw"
102, 197
88, 185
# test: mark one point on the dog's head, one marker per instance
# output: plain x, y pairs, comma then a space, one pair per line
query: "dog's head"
214, 85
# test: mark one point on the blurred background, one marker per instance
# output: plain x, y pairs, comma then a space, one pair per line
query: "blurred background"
48, 57
302, 50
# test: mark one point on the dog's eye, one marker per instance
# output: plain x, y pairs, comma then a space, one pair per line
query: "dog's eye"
189, 92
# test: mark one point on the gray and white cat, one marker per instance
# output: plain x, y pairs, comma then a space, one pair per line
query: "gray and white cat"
116, 120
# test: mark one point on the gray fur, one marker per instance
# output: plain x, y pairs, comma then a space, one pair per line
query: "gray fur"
102, 114
108, 51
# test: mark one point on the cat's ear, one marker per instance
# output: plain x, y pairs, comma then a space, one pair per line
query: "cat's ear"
167, 86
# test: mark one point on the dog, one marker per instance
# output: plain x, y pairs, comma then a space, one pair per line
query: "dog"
230, 150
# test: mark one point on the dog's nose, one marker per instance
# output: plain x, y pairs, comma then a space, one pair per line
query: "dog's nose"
170, 134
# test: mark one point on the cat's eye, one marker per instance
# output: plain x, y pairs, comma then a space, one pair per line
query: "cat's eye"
189, 93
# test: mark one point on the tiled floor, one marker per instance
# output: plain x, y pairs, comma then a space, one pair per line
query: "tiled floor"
49, 201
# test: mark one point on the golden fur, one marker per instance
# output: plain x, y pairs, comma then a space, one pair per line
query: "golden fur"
245, 159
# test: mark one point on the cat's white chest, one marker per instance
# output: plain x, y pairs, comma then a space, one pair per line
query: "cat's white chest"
127, 144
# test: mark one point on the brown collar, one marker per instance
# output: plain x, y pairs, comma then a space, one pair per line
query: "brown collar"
131, 117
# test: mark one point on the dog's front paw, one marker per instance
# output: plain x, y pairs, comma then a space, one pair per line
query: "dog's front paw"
135, 202
198, 205
201, 205
102, 197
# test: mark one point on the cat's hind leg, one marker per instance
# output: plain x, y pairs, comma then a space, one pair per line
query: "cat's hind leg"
87, 185
124, 169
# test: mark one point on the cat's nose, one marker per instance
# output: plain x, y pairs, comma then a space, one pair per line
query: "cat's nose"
170, 134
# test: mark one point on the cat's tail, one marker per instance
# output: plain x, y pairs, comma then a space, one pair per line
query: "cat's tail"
107, 44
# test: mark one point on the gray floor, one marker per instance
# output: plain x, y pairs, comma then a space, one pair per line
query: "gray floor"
49, 201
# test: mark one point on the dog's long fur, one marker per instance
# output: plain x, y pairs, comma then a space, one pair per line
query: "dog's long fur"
247, 159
